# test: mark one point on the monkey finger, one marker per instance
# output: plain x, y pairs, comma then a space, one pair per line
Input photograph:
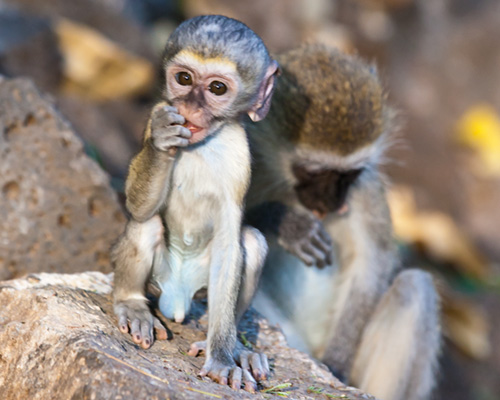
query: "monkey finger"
235, 378
325, 236
165, 144
146, 334
317, 255
329, 257
196, 348
160, 330
250, 385
135, 330
174, 118
162, 109
304, 257
171, 109
184, 132
320, 243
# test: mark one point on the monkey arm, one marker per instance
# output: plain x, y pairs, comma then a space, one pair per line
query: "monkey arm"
298, 231
147, 183
367, 261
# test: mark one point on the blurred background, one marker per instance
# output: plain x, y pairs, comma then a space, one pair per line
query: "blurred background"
440, 63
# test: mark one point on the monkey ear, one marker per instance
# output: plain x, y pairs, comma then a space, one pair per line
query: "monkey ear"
263, 103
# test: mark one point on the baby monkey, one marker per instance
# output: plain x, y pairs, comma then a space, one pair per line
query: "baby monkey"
185, 193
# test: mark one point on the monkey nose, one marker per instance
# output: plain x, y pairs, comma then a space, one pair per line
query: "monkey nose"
319, 214
343, 210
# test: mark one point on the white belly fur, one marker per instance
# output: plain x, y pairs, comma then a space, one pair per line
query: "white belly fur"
201, 185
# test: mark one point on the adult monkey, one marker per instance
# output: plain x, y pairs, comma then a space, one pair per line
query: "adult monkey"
332, 278
185, 193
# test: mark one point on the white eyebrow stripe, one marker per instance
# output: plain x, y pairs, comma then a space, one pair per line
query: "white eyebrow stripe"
201, 65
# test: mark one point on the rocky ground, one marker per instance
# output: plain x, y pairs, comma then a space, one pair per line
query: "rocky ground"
60, 341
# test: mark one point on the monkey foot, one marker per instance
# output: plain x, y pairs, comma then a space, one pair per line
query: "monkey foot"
229, 375
253, 367
135, 317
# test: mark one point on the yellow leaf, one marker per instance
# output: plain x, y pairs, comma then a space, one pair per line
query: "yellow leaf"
97, 68
436, 233
465, 323
479, 129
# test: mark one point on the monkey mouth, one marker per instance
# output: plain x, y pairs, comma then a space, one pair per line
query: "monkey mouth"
192, 127
198, 133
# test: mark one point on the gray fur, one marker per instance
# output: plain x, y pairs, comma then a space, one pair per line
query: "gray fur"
362, 301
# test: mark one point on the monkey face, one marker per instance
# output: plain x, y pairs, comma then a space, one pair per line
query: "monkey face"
323, 191
204, 91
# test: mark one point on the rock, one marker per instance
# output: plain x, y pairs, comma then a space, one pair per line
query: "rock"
57, 210
29, 47
122, 121
60, 341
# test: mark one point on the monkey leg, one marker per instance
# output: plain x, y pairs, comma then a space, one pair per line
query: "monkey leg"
254, 366
133, 257
254, 254
397, 356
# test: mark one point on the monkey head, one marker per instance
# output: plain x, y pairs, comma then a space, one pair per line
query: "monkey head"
328, 123
215, 70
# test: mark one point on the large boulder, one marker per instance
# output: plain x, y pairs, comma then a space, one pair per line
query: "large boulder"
57, 210
60, 341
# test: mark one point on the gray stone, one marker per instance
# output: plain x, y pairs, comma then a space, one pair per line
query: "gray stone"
57, 210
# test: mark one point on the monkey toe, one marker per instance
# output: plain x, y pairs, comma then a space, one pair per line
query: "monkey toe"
258, 371
123, 324
235, 378
160, 330
219, 375
196, 348
147, 335
265, 366
249, 383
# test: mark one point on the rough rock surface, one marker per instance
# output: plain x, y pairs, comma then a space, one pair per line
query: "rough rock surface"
57, 210
60, 341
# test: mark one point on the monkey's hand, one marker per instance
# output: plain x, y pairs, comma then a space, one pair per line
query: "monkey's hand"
253, 367
167, 132
305, 237
135, 314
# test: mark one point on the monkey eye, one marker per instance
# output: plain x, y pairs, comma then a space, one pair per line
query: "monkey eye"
183, 78
217, 88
